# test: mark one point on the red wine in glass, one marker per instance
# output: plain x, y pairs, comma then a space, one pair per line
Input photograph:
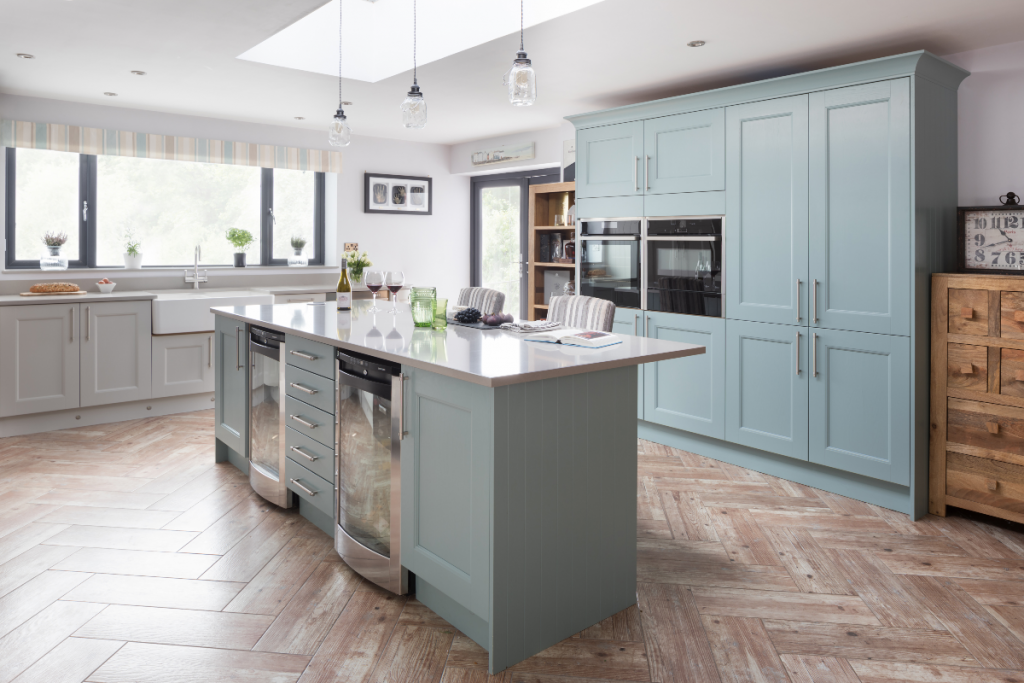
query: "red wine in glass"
394, 288
375, 287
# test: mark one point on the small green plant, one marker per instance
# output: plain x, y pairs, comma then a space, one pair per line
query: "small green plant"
131, 243
55, 239
357, 262
298, 243
241, 239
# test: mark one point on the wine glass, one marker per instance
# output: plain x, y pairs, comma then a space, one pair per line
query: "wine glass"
374, 280
394, 281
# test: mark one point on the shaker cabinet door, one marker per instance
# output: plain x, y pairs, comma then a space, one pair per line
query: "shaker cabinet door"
685, 153
860, 207
629, 321
231, 344
766, 387
687, 393
766, 212
182, 364
116, 352
609, 161
860, 404
39, 362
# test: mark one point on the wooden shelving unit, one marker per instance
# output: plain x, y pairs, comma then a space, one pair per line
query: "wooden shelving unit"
546, 202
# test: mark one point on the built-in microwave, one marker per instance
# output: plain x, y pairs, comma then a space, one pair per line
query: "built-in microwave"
683, 265
608, 255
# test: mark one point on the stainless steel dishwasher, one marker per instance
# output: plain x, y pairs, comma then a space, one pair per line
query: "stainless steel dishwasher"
266, 416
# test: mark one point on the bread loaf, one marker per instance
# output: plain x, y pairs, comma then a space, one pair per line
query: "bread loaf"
49, 287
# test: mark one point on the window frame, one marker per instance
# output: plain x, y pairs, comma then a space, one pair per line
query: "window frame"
88, 226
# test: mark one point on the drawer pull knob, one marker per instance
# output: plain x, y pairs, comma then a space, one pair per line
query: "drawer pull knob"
307, 356
993, 427
967, 312
967, 369
1018, 316
1019, 376
992, 484
307, 423
302, 388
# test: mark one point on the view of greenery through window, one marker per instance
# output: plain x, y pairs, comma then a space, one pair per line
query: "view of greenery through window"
46, 192
172, 206
293, 211
500, 247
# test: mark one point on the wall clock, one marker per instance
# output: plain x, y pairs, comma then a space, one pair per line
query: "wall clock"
990, 239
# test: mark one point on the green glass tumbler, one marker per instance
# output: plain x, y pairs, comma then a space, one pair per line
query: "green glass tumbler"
440, 314
422, 303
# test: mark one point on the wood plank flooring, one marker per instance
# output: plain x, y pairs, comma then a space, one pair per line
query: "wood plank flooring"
128, 555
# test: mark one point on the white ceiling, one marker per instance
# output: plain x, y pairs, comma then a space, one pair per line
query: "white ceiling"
610, 53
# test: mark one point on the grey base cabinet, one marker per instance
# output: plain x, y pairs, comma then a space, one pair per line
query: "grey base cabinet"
630, 321
116, 352
182, 364
231, 367
39, 358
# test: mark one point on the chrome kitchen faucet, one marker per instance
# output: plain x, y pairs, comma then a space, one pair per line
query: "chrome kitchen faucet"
196, 278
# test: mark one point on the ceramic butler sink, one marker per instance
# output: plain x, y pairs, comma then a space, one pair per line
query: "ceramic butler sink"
177, 312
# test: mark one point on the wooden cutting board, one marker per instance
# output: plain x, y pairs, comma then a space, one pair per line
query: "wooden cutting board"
81, 291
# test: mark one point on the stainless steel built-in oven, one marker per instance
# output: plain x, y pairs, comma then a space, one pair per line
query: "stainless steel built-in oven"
683, 265
608, 255
266, 416
368, 439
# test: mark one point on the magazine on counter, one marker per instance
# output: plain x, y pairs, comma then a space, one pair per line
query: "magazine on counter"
573, 337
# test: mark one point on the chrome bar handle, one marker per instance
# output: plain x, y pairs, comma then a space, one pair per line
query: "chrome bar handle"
647, 171
304, 454
309, 491
306, 356
636, 164
302, 388
798, 300
636, 324
209, 351
88, 325
814, 301
401, 414
72, 323
238, 357
814, 354
797, 354
304, 423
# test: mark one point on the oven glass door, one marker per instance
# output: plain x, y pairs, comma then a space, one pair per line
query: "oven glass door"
610, 269
364, 462
266, 411
684, 275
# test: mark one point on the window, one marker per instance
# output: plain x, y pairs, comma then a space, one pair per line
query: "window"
169, 206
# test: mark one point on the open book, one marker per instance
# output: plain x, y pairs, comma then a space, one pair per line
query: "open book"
574, 337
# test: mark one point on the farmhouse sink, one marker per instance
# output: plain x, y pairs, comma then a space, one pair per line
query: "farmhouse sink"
178, 312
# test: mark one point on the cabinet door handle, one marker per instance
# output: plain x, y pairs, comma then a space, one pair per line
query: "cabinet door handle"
401, 413
647, 171
967, 369
992, 484
798, 300
814, 354
304, 454
814, 301
309, 491
307, 390
647, 324
1018, 316
306, 356
238, 357
797, 354
304, 423
209, 352
636, 323
88, 321
993, 427
636, 163
72, 323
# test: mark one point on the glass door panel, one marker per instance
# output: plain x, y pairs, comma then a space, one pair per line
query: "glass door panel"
266, 411
685, 276
610, 269
501, 246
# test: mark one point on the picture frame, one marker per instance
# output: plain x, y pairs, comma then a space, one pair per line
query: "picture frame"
990, 240
402, 194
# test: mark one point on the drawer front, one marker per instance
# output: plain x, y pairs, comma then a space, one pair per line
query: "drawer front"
985, 481
967, 367
1011, 315
310, 453
988, 430
968, 312
1011, 372
302, 482
309, 355
310, 388
313, 422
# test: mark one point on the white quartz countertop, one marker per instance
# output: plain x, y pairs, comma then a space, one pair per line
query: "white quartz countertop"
88, 297
490, 357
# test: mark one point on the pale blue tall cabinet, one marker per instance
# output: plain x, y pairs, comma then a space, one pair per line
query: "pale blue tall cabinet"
838, 189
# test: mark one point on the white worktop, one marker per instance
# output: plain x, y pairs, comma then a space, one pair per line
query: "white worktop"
88, 297
491, 357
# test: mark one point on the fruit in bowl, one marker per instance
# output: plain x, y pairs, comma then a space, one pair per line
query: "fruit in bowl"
106, 286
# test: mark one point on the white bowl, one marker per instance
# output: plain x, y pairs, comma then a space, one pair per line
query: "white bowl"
106, 289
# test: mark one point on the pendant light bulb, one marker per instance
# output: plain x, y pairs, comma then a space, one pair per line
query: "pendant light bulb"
414, 107
339, 133
521, 79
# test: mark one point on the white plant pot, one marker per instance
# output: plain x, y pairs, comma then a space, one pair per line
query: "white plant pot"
133, 262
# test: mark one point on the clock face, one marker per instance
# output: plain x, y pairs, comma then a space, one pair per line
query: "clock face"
994, 240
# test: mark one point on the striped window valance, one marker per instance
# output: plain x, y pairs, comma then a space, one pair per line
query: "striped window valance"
83, 140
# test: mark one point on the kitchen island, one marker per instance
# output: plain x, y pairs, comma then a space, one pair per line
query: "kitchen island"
517, 464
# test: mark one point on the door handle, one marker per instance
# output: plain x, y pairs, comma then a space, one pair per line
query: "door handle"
238, 358
306, 356
636, 323
647, 171
72, 323
814, 301
302, 388
304, 454
636, 164
401, 413
85, 211
304, 423
798, 300
209, 352
797, 354
814, 354
309, 491
992, 427
647, 324
88, 321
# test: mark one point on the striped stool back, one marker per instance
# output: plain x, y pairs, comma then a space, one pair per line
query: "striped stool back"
487, 301
586, 312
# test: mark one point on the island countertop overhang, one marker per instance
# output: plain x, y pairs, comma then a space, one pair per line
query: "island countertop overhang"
490, 358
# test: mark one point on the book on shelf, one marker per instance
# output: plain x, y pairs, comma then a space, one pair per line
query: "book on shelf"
573, 337
545, 248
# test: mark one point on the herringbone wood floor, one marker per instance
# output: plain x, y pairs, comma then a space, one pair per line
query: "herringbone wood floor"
127, 555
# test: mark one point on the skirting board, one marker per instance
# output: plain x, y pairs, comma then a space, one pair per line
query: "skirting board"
98, 415
876, 492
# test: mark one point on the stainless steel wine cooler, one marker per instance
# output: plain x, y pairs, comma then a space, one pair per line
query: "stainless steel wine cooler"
266, 416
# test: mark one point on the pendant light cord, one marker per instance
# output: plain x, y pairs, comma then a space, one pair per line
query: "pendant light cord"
414, 81
520, 25
341, 4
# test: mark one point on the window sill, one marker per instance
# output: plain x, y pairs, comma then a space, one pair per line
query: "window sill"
158, 271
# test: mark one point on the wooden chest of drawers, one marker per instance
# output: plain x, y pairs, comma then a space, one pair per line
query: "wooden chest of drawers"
977, 395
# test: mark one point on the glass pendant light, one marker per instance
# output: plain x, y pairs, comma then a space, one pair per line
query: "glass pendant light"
521, 79
414, 107
339, 134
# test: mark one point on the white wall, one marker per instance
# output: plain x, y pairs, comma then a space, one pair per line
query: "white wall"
991, 141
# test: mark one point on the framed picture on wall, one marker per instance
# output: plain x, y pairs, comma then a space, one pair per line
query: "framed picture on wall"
384, 193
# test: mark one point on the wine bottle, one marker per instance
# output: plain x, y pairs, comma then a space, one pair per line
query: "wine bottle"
344, 288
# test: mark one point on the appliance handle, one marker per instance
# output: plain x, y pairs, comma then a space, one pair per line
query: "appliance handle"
401, 413
306, 356
363, 384
684, 238
303, 389
304, 423
263, 350
297, 483
304, 454
238, 357
609, 238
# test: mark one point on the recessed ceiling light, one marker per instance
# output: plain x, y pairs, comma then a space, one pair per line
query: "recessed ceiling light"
139, 73
25, 55
110, 94
696, 43
300, 118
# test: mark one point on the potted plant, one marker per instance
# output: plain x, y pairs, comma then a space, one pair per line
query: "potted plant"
356, 264
132, 255
52, 259
297, 259
241, 239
